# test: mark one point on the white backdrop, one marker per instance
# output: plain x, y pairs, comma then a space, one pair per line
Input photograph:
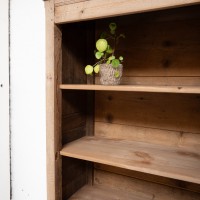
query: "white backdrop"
4, 103
28, 134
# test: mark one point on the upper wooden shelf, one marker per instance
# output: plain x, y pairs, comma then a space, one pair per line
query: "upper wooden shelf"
172, 162
94, 9
134, 88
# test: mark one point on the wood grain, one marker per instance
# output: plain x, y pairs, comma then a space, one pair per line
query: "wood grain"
74, 176
151, 190
174, 112
104, 193
172, 162
88, 9
159, 45
66, 2
149, 177
53, 106
135, 88
149, 135
77, 117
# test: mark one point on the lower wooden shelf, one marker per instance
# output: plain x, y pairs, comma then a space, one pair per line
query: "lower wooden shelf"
100, 193
172, 162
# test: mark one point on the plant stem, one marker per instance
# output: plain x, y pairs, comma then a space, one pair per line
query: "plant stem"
100, 61
114, 46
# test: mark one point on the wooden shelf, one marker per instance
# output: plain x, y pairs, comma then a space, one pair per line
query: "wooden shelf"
88, 9
100, 193
134, 88
172, 162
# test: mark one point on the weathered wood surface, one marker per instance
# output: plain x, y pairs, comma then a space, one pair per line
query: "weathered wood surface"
162, 48
134, 88
149, 135
173, 112
151, 190
77, 117
149, 177
104, 193
53, 106
100, 9
172, 162
66, 2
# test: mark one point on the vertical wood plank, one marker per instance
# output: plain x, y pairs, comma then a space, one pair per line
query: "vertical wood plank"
77, 106
53, 64
90, 38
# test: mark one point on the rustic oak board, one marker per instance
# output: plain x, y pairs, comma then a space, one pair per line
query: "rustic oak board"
76, 116
66, 2
134, 88
152, 191
149, 135
98, 9
178, 163
53, 104
104, 193
155, 47
148, 177
165, 111
157, 80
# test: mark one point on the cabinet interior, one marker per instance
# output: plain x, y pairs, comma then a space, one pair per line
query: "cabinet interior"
160, 49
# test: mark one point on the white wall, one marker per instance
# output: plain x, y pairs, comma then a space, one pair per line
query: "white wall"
28, 134
4, 103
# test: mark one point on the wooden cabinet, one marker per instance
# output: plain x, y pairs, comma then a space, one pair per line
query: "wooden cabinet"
139, 140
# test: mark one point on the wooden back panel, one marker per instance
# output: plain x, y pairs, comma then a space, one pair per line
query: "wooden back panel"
161, 48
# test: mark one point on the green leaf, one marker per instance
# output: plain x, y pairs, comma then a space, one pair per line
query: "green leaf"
96, 69
98, 55
89, 69
115, 63
109, 50
121, 58
111, 58
101, 45
108, 62
116, 74
112, 26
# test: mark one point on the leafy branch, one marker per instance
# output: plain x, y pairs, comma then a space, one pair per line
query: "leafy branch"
105, 53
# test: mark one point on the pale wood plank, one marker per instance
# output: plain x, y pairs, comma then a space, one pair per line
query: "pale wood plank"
53, 105
66, 2
104, 193
99, 9
134, 88
149, 135
154, 48
149, 177
157, 81
172, 112
172, 162
152, 190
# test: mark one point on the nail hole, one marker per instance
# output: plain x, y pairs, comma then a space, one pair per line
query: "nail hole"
1, 85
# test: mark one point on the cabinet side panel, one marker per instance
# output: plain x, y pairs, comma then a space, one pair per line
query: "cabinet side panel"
77, 106
53, 79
